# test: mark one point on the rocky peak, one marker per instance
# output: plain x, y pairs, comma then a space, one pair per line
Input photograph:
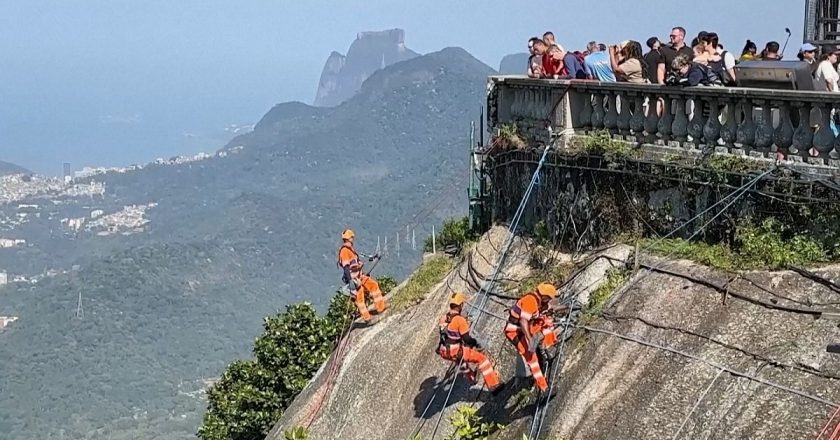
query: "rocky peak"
343, 76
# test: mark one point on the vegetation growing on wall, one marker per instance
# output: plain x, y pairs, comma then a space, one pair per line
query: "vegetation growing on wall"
507, 138
580, 206
613, 150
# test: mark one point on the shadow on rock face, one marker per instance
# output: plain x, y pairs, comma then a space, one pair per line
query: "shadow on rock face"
511, 404
431, 395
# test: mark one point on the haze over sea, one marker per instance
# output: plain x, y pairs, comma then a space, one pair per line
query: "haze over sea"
105, 83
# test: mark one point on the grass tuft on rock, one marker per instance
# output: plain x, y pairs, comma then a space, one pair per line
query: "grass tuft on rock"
421, 282
599, 298
766, 245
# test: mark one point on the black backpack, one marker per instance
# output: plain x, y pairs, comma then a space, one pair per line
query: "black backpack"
442, 334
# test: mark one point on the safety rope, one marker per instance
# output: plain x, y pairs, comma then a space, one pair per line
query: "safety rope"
540, 409
713, 364
334, 368
482, 294
696, 404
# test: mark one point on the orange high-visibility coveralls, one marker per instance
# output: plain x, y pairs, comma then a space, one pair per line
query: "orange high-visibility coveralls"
528, 307
370, 287
455, 327
347, 257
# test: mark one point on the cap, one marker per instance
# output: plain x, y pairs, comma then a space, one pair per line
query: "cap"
808, 47
348, 234
623, 43
651, 41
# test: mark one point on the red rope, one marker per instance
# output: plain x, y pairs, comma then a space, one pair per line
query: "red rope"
332, 374
836, 434
826, 427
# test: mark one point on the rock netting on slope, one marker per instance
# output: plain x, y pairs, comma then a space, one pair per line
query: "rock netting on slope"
618, 389
609, 388
386, 379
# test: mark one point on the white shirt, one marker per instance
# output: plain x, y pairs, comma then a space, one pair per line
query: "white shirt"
826, 74
728, 60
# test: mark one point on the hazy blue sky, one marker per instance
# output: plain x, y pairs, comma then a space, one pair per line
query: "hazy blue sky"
113, 82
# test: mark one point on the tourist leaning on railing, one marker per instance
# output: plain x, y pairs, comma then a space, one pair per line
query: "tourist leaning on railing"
627, 62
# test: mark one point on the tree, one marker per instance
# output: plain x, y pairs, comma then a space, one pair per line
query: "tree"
252, 394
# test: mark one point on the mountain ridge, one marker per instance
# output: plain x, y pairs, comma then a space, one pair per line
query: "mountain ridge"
230, 239
8, 168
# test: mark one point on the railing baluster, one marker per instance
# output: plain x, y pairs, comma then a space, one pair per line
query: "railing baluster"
711, 131
783, 135
623, 120
586, 111
597, 111
679, 128
764, 128
803, 136
611, 118
695, 125
531, 102
516, 106
637, 121
824, 137
652, 120
729, 132
746, 129
664, 126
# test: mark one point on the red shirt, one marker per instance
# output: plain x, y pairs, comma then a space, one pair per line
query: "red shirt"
552, 67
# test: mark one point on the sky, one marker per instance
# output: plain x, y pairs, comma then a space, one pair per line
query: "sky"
116, 82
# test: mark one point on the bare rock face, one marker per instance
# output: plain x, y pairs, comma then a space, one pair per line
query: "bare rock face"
343, 75
673, 356
328, 86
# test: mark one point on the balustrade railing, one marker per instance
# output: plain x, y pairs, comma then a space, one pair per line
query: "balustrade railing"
744, 121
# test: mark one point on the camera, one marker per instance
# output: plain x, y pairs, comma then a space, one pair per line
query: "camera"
674, 79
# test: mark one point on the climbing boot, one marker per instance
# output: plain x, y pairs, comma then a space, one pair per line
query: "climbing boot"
499, 388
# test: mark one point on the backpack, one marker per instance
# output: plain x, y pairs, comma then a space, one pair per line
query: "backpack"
442, 334
727, 79
716, 72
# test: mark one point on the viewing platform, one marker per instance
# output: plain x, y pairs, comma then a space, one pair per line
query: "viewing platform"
789, 126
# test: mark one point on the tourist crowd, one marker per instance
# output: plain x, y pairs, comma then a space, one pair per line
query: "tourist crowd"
703, 62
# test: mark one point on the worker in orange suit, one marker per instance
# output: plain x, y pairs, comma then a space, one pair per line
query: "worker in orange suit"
347, 256
456, 344
529, 319
366, 286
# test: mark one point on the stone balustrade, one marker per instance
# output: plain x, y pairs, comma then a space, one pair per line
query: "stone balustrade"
742, 121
